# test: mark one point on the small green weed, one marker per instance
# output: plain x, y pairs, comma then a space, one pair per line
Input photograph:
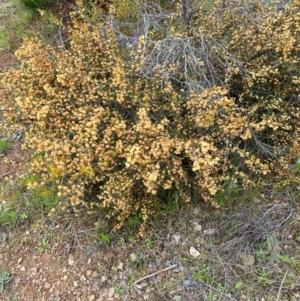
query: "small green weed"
184, 260
203, 274
237, 286
5, 277
297, 165
149, 243
43, 245
264, 278
105, 238
4, 143
118, 290
134, 220
131, 239
8, 216
131, 280
289, 260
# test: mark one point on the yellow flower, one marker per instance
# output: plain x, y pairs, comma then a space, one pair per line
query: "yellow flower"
42, 12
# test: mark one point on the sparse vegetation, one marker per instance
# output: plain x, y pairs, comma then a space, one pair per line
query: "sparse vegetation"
14, 20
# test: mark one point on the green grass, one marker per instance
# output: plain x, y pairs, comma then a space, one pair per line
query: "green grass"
36, 3
26, 205
17, 21
14, 21
8, 216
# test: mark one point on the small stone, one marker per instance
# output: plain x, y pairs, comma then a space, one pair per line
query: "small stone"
23, 269
196, 211
75, 284
82, 278
34, 269
198, 228
20, 260
176, 238
47, 285
70, 260
163, 254
133, 257
146, 297
89, 272
17, 280
95, 274
194, 252
111, 292
89, 261
144, 284
177, 298
120, 266
92, 298
65, 278
247, 259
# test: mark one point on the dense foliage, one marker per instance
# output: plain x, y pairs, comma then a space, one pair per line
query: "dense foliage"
159, 101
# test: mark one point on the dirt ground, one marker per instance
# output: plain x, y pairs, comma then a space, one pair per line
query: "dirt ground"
182, 257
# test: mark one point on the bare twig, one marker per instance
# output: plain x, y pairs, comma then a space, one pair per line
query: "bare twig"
250, 230
153, 274
281, 285
60, 32
264, 148
191, 62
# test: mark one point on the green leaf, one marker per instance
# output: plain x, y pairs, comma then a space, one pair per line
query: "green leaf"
5, 277
297, 165
285, 259
237, 285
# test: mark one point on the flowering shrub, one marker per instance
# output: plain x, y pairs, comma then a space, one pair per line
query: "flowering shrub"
114, 129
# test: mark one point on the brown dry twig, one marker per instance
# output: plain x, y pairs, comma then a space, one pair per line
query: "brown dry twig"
271, 218
138, 287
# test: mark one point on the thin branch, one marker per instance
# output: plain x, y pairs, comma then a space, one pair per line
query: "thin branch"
281, 285
153, 274
60, 32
